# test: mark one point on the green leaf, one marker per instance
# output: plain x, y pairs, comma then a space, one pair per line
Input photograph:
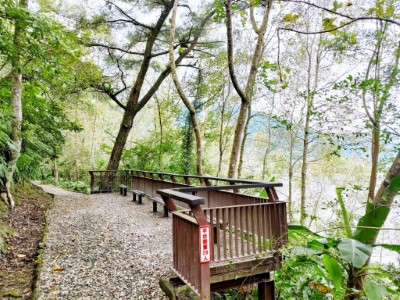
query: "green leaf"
319, 271
334, 270
391, 247
354, 252
375, 217
375, 291
290, 17
303, 251
328, 23
320, 244
302, 230
336, 5
394, 186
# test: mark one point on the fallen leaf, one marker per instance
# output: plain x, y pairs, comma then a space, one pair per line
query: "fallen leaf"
20, 255
58, 269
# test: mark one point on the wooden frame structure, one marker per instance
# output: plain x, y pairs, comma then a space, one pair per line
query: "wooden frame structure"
246, 232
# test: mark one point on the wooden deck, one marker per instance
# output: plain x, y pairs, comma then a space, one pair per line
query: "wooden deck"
222, 238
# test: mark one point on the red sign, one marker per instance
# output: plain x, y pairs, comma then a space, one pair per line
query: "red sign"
205, 245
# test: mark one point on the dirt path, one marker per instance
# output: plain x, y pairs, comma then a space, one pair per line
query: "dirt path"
27, 219
104, 246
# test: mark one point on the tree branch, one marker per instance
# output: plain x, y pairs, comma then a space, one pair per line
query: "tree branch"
321, 31
114, 48
232, 73
131, 20
146, 98
344, 15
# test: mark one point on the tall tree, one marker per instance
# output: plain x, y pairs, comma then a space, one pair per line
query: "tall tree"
246, 93
16, 74
44, 66
192, 110
151, 37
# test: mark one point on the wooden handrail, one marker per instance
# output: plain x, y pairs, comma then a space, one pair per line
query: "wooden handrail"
228, 187
190, 200
233, 180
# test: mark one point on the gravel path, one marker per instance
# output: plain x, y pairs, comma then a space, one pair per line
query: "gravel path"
104, 246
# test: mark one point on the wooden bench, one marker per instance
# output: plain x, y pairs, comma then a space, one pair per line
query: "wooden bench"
139, 194
159, 200
123, 189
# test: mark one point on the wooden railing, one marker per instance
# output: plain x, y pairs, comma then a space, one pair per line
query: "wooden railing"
108, 181
246, 232
186, 249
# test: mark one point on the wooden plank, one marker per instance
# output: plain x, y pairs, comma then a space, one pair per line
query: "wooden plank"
183, 197
241, 211
244, 269
266, 290
224, 231
264, 224
247, 215
212, 232
253, 239
230, 231
235, 223
259, 229
218, 210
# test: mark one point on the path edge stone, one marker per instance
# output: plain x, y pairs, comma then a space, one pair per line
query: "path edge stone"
41, 249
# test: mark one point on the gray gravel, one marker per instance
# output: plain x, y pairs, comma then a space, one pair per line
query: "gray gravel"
104, 246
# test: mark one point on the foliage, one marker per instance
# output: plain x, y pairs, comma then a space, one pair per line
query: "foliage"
52, 70
319, 267
244, 293
77, 186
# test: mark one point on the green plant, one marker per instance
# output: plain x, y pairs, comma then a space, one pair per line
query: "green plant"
77, 186
321, 267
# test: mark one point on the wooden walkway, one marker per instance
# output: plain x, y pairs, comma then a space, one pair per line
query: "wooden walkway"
221, 238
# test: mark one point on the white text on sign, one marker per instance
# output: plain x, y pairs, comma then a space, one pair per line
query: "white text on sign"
205, 248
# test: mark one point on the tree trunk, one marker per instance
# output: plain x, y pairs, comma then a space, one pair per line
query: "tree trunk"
54, 172
15, 136
311, 90
134, 105
221, 138
237, 140
243, 146
291, 167
304, 166
186, 101
246, 94
264, 168
160, 155
375, 145
92, 148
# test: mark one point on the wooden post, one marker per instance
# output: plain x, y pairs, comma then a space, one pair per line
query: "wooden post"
91, 182
205, 288
266, 290
187, 180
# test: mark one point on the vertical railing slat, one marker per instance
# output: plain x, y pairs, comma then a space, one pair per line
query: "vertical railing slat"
241, 231
235, 223
224, 231
218, 222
